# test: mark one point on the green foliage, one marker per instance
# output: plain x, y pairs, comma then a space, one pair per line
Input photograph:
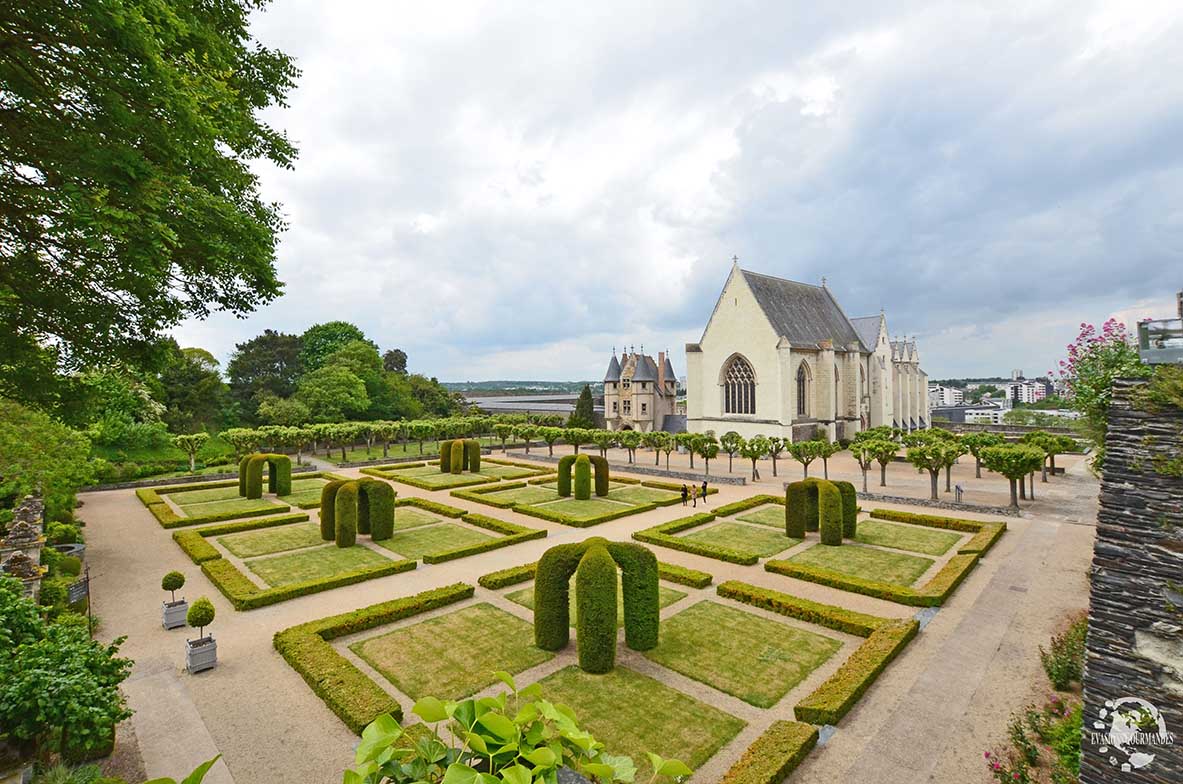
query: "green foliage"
380, 500
172, 582
1014, 461
828, 615
800, 508
332, 394
321, 340
284, 411
445, 456
1064, 662
472, 455
506, 577
663, 535
805, 452
642, 599
129, 137
584, 415
582, 481
346, 514
191, 445
201, 614
191, 389
512, 738
754, 449
552, 596
348, 692
849, 508
830, 517
254, 475
774, 755
20, 622
456, 458
245, 595
595, 588
731, 443
985, 534
932, 594
683, 576
62, 533
601, 470
564, 480
264, 367
40, 453
196, 777
328, 509
511, 534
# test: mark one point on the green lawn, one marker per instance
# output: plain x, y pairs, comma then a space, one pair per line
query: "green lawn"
186, 497
431, 451
265, 541
507, 472
454, 655
530, 494
636, 494
314, 564
436, 480
631, 714
772, 515
906, 537
304, 491
409, 517
525, 597
584, 510
749, 539
429, 540
611, 486
234, 505
865, 562
745, 655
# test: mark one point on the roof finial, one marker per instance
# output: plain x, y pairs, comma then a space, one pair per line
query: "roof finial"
823, 281
642, 348
614, 351
735, 260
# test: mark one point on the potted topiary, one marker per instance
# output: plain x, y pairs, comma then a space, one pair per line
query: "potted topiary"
173, 612
202, 653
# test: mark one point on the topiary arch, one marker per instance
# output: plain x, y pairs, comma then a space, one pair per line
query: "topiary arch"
582, 466
279, 474
356, 506
814, 505
593, 562
459, 455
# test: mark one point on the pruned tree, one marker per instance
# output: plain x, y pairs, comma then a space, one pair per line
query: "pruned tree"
731, 442
777, 445
976, 442
754, 449
191, 445
630, 440
1014, 461
805, 452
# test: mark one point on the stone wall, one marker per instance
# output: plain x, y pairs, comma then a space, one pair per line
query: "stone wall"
1135, 637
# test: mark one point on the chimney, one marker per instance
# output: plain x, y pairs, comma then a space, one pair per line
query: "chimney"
660, 372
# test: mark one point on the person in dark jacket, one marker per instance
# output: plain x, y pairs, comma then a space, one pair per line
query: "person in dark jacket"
704, 492
685, 493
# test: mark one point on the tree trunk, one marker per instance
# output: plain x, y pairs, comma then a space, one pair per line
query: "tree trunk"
385, 449
667, 461
299, 457
774, 465
1014, 495
420, 446
657, 454
550, 449
192, 462
691, 453
342, 453
934, 477
1032, 485
948, 478
729, 458
825, 468
1043, 471
977, 468
883, 474
1022, 486
706, 470
865, 480
576, 448
503, 446
754, 474
1053, 459
806, 467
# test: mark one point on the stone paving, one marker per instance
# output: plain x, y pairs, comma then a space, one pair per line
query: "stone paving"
927, 718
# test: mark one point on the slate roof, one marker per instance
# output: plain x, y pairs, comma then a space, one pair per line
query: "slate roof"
646, 369
867, 328
670, 375
613, 373
804, 314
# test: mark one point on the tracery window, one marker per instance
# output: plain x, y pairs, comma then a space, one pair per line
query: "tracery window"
803, 390
739, 388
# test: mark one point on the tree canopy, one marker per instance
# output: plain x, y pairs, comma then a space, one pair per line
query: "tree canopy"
321, 340
127, 200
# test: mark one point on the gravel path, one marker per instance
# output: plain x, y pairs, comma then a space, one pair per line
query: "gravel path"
977, 659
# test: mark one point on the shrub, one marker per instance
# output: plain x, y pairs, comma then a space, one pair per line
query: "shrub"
62, 533
456, 459
254, 476
345, 511
796, 506
347, 691
552, 617
683, 576
829, 508
565, 463
172, 582
735, 507
445, 456
243, 465
505, 577
279, 474
601, 468
430, 506
379, 501
837, 618
849, 508
642, 600
582, 481
201, 614
328, 509
1064, 663
774, 755
193, 544
595, 588
472, 454
69, 566
932, 594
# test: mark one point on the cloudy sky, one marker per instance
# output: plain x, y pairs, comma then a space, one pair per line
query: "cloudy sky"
507, 190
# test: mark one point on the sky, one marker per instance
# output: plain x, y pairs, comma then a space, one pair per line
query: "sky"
509, 190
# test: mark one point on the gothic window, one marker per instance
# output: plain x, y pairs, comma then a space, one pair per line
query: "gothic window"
739, 388
644, 406
803, 389
628, 407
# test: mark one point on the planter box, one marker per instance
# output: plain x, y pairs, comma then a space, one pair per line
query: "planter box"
173, 614
201, 654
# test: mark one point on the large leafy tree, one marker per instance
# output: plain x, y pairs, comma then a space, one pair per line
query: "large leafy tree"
127, 201
321, 340
395, 360
333, 394
268, 364
584, 415
193, 393
37, 452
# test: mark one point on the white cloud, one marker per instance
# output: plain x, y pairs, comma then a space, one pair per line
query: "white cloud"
510, 188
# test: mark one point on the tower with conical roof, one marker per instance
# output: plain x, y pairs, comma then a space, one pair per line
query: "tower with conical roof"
640, 392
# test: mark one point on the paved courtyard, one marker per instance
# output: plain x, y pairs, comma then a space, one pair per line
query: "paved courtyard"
927, 718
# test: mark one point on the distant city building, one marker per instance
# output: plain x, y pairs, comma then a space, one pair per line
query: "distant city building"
944, 396
641, 393
1015, 375
1026, 391
781, 358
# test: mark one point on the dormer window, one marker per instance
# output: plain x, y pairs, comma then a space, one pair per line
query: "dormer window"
625, 383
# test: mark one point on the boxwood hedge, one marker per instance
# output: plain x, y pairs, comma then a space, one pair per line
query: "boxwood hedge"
774, 755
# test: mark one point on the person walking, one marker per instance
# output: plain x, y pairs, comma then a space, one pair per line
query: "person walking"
694, 495
704, 492
685, 492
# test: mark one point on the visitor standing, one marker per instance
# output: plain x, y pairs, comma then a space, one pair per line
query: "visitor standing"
704, 492
694, 495
685, 492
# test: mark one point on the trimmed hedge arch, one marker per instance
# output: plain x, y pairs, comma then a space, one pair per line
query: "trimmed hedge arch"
849, 508
445, 456
364, 506
456, 458
583, 465
596, 598
458, 455
814, 505
472, 455
279, 474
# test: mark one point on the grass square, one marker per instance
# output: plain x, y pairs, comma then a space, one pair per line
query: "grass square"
265, 541
584, 510
189, 497
771, 515
525, 597
314, 564
410, 517
866, 562
913, 538
429, 540
431, 476
637, 495
454, 655
631, 713
530, 494
554, 485
304, 491
506, 471
753, 658
234, 505
749, 539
